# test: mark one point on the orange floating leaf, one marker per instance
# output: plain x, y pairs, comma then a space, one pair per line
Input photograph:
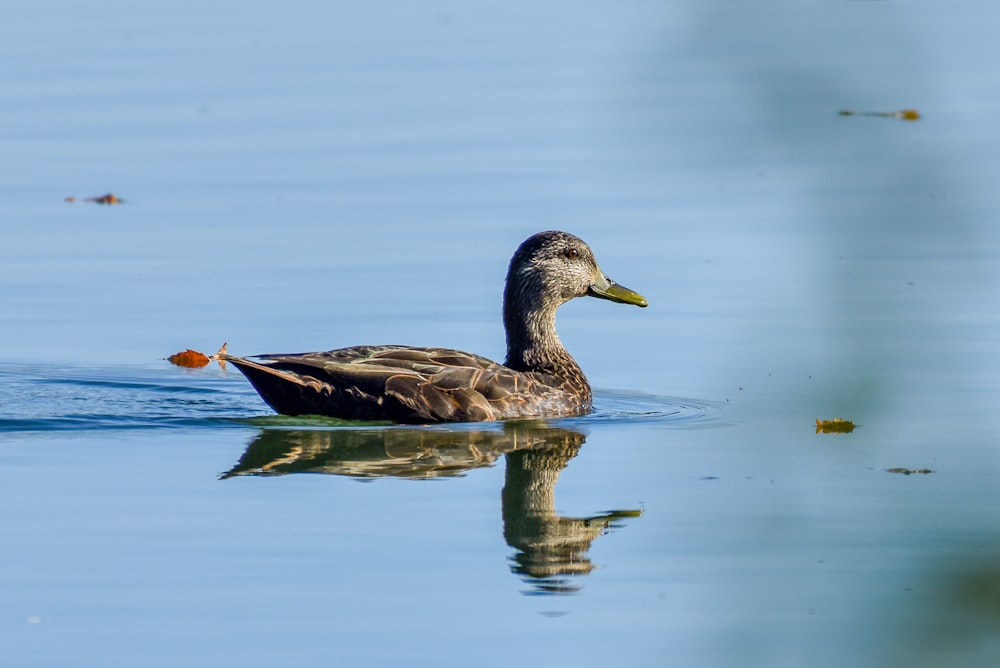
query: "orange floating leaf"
834, 426
189, 358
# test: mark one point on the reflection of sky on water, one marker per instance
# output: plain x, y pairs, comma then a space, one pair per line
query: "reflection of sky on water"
770, 228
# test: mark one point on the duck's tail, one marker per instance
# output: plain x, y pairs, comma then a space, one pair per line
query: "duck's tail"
286, 392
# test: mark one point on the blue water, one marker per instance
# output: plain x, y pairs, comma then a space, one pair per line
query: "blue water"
316, 175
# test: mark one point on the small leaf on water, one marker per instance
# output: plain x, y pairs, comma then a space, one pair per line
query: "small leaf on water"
903, 114
834, 426
189, 358
109, 198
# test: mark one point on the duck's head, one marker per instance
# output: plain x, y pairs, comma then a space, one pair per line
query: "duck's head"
550, 268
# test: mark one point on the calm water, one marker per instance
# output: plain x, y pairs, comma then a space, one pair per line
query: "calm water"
310, 176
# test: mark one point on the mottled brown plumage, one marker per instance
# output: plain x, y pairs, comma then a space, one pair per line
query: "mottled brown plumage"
419, 385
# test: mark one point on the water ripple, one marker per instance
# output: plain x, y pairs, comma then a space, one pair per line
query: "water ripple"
40, 398
618, 406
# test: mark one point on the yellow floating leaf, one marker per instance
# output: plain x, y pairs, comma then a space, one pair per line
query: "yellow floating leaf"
834, 426
189, 358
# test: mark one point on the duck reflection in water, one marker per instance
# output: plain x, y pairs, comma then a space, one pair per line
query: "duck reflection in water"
550, 549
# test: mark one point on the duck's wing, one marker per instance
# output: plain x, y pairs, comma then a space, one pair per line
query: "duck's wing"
401, 384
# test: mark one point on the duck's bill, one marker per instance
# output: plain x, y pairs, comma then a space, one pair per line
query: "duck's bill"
605, 288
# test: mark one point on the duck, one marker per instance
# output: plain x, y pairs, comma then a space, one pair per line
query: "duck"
420, 385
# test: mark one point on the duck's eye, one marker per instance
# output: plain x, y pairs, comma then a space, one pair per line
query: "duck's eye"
571, 253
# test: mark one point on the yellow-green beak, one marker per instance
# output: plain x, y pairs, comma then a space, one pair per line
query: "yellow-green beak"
605, 288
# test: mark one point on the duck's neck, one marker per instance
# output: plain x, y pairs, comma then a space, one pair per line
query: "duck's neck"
532, 341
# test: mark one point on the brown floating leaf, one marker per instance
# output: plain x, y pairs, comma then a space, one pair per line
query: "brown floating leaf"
189, 358
903, 114
110, 198
834, 426
909, 471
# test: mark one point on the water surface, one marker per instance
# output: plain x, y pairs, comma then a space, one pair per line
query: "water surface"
322, 175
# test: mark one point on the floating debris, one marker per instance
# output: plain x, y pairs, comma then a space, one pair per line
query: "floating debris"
194, 359
902, 114
191, 359
905, 471
109, 198
834, 426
